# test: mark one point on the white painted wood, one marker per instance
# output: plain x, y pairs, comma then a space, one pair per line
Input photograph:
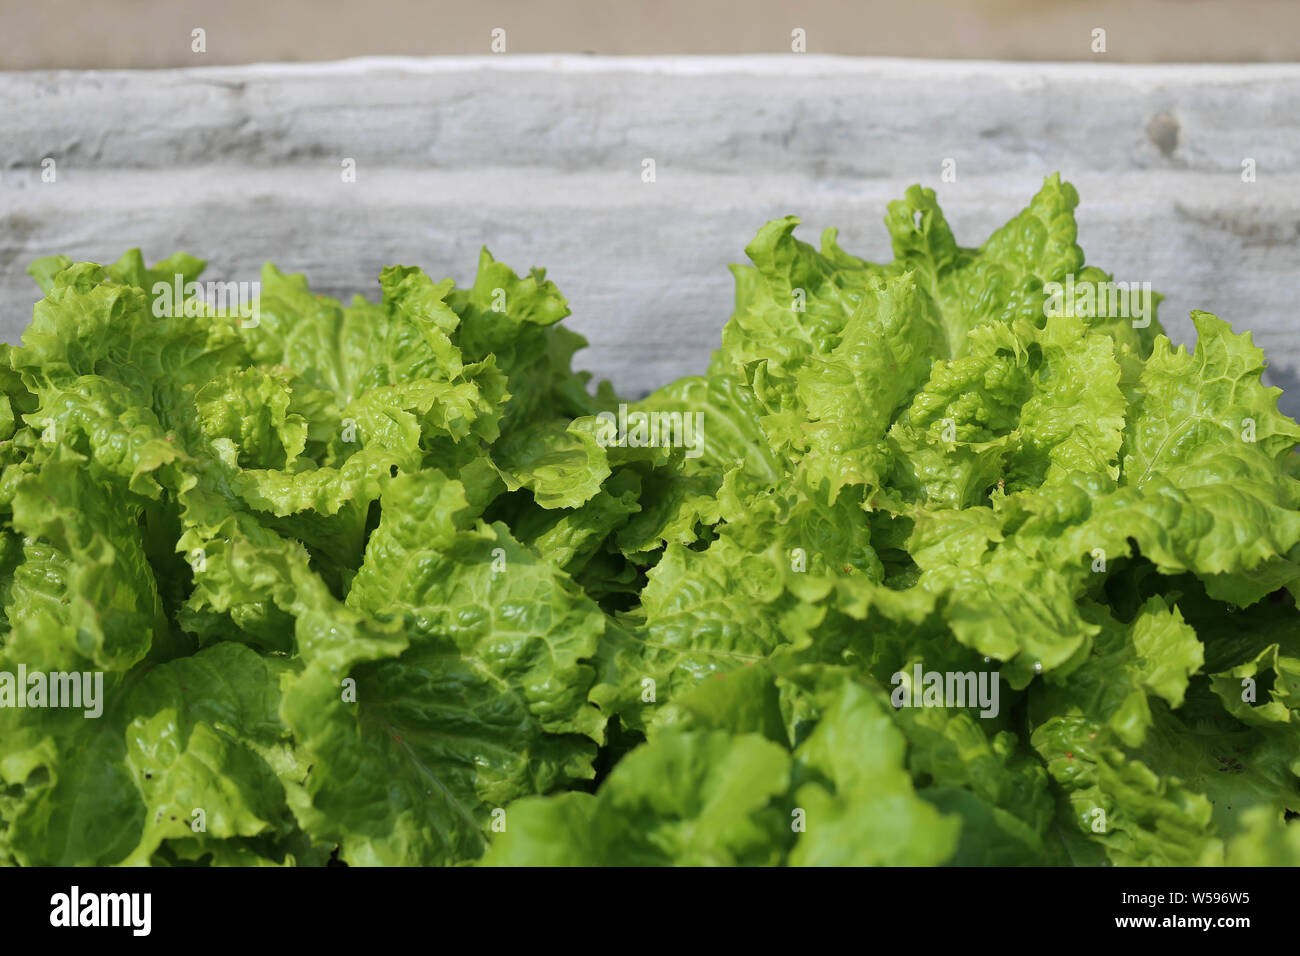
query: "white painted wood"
540, 159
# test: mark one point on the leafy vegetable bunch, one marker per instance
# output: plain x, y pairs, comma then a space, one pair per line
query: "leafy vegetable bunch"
371, 581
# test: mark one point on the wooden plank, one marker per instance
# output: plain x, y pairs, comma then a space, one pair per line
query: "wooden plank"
540, 159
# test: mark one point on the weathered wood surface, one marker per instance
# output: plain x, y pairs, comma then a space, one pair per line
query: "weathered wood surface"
540, 159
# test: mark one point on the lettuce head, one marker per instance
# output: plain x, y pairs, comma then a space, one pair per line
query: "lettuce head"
388, 583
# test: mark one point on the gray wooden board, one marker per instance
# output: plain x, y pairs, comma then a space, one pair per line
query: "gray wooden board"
540, 159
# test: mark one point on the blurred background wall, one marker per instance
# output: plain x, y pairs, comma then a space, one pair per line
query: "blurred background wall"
79, 34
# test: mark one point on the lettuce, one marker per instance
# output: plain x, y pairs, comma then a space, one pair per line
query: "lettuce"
388, 583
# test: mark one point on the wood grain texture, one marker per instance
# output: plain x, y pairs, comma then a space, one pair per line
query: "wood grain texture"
539, 158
